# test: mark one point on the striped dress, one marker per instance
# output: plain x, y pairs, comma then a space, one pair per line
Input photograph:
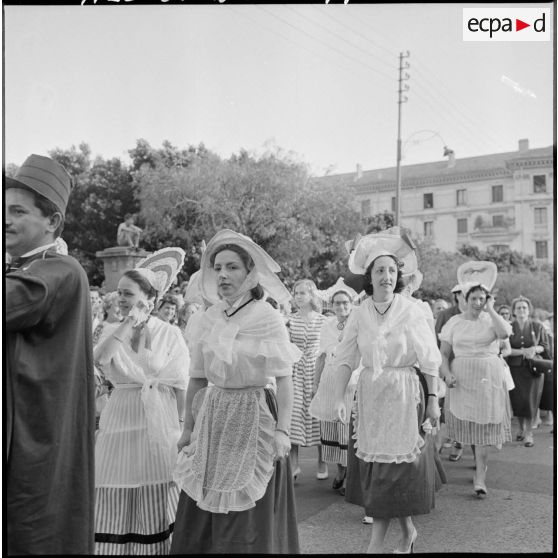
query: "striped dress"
305, 429
135, 451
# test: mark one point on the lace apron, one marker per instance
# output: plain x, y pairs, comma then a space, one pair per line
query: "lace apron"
230, 459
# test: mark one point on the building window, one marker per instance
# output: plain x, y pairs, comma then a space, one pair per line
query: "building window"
393, 204
428, 201
462, 226
540, 216
365, 208
428, 229
497, 220
541, 249
539, 183
497, 193
461, 197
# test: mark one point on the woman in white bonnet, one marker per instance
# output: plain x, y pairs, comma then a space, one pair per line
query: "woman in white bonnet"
391, 335
147, 361
233, 467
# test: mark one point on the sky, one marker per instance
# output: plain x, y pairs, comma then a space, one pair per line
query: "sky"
317, 81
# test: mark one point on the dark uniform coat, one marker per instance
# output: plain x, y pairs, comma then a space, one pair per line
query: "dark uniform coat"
50, 407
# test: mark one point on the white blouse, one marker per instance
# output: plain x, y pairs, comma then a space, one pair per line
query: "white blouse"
247, 349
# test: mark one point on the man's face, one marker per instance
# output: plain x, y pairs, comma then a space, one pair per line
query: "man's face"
26, 227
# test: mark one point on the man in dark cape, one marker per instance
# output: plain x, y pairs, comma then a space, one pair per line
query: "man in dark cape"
49, 381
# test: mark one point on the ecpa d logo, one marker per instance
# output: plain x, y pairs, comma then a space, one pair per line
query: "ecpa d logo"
506, 24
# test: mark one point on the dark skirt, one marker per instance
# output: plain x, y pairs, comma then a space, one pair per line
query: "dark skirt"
526, 396
547, 397
387, 490
268, 528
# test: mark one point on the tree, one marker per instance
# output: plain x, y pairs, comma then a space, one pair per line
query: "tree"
102, 194
266, 197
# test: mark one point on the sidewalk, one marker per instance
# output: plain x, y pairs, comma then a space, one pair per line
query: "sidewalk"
515, 516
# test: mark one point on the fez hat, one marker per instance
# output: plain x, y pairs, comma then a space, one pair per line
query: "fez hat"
45, 177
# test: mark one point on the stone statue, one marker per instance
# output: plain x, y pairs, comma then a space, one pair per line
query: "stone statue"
128, 234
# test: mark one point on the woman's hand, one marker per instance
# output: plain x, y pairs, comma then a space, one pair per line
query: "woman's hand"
450, 380
489, 304
140, 312
184, 439
529, 352
282, 444
341, 411
433, 410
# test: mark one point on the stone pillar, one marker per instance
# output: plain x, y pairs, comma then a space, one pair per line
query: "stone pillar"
116, 261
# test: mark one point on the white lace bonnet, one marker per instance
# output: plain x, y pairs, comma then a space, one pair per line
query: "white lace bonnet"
477, 273
264, 272
161, 268
389, 242
339, 287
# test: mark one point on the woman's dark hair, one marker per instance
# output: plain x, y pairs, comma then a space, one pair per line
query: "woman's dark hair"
142, 282
169, 299
399, 285
477, 288
503, 307
341, 291
257, 291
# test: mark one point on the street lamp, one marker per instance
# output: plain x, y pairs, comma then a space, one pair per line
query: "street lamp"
400, 151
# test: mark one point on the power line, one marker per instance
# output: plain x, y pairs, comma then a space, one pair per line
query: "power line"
469, 121
367, 53
290, 40
328, 45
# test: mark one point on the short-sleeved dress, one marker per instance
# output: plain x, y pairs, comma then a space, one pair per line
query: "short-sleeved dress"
478, 407
396, 462
334, 434
135, 449
305, 429
526, 396
235, 498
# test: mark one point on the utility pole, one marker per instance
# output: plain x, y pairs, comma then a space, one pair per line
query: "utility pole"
403, 76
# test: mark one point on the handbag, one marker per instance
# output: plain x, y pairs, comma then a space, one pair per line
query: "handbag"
539, 365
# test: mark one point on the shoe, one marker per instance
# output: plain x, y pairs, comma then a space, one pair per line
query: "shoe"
520, 437
479, 487
529, 441
536, 422
322, 475
409, 549
456, 455
367, 520
337, 483
297, 473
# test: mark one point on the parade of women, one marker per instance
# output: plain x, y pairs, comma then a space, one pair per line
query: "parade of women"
159, 420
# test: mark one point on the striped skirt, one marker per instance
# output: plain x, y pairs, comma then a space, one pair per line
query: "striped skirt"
305, 429
135, 497
480, 392
335, 439
135, 521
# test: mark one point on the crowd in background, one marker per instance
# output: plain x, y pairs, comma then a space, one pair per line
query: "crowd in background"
203, 392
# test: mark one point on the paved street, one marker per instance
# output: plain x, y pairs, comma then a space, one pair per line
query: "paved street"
516, 515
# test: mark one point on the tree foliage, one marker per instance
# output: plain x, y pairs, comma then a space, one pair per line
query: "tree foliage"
268, 198
103, 193
183, 196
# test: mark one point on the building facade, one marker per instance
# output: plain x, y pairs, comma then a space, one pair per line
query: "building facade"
501, 201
